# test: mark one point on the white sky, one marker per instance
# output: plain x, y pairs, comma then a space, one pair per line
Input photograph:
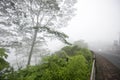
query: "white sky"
96, 21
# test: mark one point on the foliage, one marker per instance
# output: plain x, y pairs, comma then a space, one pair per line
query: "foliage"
58, 66
23, 20
81, 44
3, 62
77, 69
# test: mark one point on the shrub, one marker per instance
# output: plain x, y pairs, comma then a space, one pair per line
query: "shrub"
3, 62
59, 66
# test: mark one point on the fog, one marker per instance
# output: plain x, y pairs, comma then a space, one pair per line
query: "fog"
96, 22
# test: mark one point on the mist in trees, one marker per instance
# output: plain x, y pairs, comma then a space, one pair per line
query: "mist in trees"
27, 24
62, 65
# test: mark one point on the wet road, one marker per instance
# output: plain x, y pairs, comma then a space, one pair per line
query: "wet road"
107, 66
113, 57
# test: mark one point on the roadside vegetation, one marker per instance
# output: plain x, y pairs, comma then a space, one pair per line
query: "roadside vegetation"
26, 26
69, 63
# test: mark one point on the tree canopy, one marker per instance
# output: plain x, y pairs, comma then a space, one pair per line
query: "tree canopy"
30, 22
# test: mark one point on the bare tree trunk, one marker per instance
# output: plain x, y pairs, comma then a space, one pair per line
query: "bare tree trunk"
32, 46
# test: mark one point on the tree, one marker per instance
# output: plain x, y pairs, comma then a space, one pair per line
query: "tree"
81, 44
40, 19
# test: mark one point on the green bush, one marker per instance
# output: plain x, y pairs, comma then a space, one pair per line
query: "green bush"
77, 69
3, 63
63, 65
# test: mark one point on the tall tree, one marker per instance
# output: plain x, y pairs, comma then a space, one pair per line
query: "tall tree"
38, 19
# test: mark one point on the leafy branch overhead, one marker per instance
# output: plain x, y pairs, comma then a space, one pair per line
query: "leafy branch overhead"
61, 36
22, 15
